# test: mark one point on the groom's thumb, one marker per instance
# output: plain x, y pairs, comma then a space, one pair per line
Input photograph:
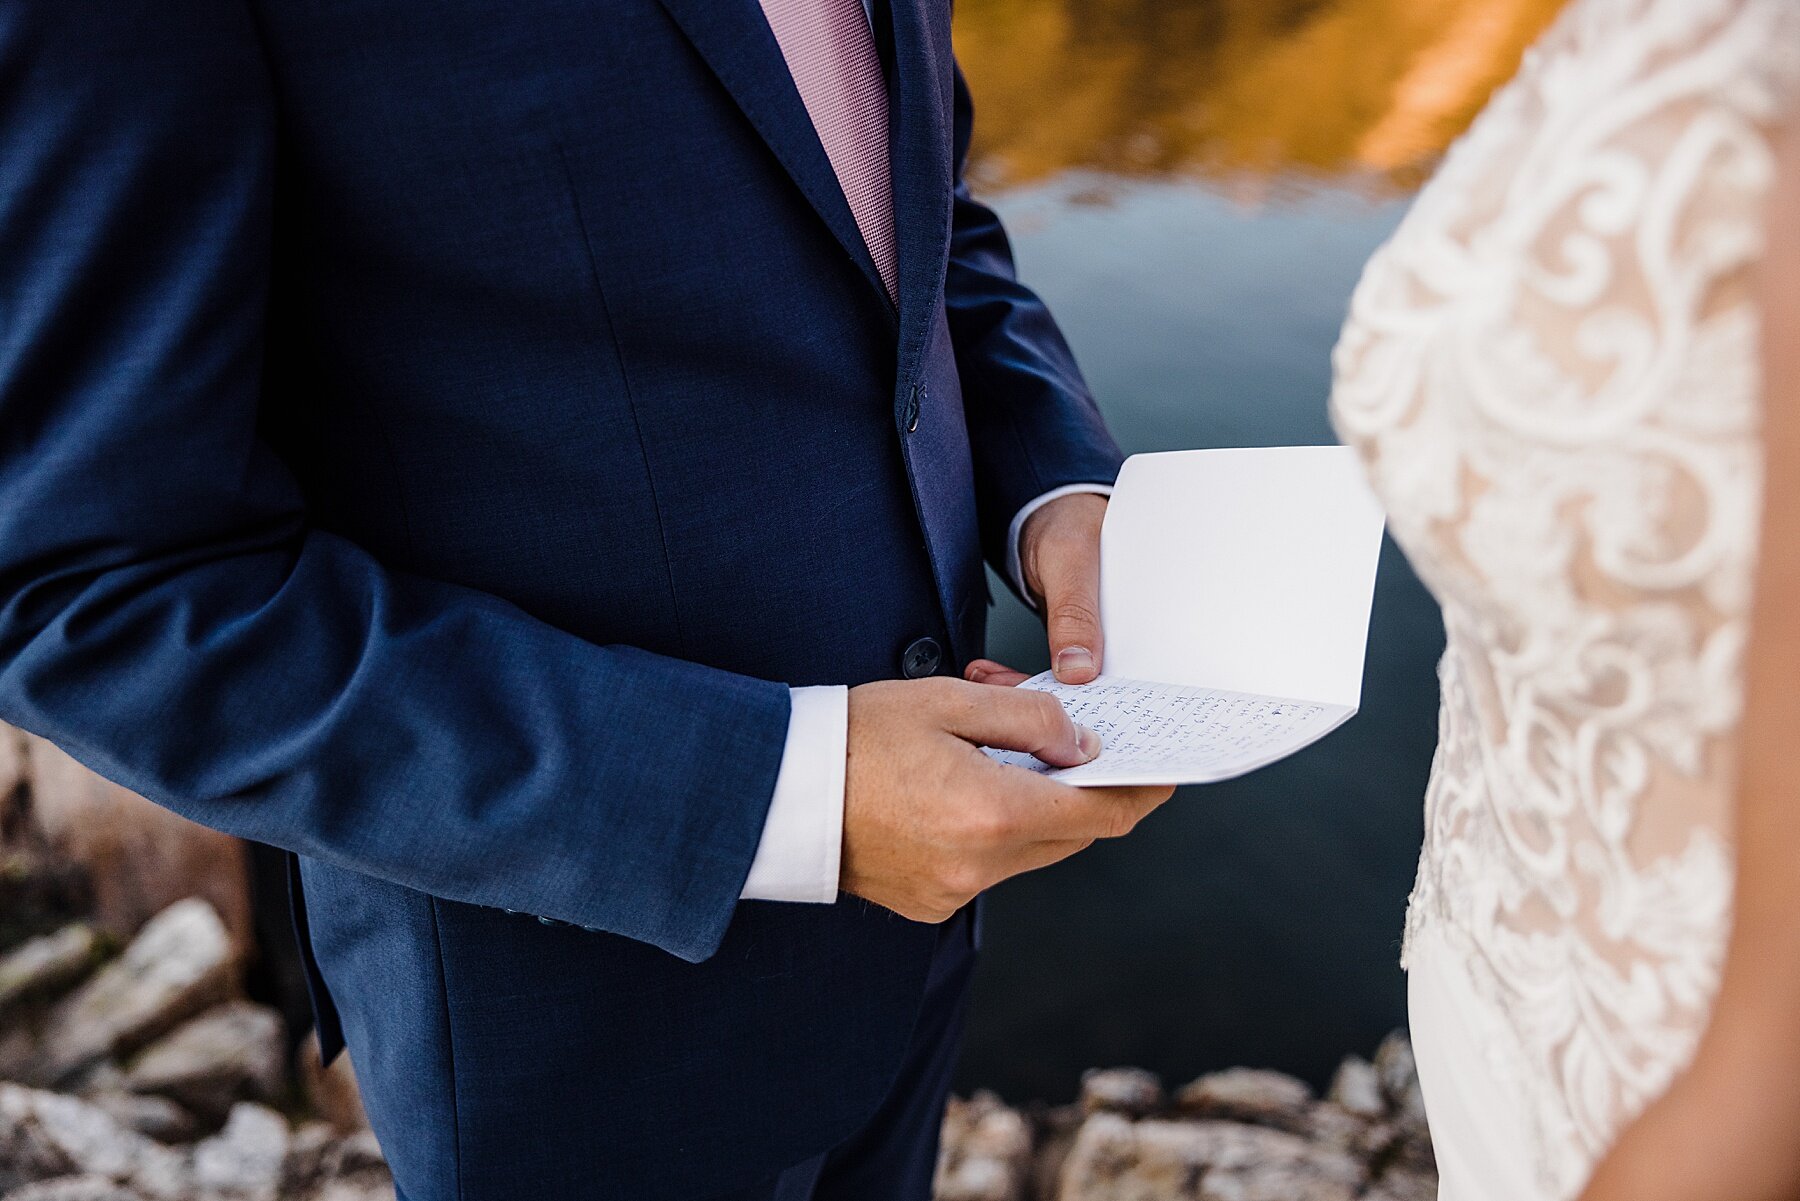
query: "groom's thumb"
1072, 616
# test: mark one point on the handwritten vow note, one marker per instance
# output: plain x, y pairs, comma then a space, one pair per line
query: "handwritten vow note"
1165, 733
1235, 588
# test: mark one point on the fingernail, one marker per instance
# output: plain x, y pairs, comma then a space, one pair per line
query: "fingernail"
1090, 741
1073, 660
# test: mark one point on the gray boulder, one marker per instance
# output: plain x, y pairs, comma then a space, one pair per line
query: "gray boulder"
1130, 1091
247, 1158
323, 1166
1404, 1184
305, 1164
44, 965
357, 1153
47, 1135
1357, 1088
353, 1190
26, 1153
1118, 1160
1251, 1095
232, 1052
154, 1117
985, 1152
355, 1171
181, 962
74, 1188
1331, 1125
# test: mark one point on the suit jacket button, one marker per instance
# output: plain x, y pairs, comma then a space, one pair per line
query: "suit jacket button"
910, 416
921, 659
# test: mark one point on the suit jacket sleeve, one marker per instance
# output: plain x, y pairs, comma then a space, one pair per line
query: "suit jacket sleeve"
1033, 425
168, 615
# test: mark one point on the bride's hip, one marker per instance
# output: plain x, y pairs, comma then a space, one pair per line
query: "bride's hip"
1479, 1128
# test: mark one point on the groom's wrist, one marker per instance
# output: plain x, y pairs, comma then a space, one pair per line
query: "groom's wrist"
798, 856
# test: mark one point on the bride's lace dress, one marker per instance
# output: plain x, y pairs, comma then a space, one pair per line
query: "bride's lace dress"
1552, 371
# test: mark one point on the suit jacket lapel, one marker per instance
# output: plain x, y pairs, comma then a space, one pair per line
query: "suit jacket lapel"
922, 163
737, 43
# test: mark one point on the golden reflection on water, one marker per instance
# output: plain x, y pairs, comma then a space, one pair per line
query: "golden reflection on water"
1247, 94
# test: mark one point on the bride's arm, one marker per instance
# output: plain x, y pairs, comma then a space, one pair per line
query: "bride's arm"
1730, 1128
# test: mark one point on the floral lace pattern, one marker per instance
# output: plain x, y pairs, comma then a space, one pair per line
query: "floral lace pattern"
1552, 372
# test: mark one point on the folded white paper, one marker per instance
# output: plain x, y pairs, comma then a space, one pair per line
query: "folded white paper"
1235, 588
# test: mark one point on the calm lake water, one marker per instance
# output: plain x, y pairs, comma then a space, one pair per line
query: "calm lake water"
1200, 249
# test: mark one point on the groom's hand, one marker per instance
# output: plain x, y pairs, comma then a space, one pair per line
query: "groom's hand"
1059, 558
929, 821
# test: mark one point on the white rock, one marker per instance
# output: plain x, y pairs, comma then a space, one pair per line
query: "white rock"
46, 964
230, 1053
179, 963
306, 1156
155, 1117
985, 1152
1404, 1185
353, 1190
47, 1129
26, 1153
1118, 1160
1249, 1095
74, 1188
358, 1152
1357, 1088
1331, 1125
245, 1159
1131, 1091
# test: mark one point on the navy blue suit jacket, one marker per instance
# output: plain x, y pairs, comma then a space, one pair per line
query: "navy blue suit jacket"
432, 437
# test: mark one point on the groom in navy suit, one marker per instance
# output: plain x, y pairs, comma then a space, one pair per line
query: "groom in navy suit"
534, 460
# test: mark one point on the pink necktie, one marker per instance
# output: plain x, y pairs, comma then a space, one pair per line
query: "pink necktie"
830, 52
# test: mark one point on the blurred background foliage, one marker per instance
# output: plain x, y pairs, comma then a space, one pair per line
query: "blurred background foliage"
1246, 94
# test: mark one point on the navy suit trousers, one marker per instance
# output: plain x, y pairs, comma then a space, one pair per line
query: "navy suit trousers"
894, 1156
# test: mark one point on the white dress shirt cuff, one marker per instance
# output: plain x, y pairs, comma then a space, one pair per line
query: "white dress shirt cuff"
803, 835
1014, 570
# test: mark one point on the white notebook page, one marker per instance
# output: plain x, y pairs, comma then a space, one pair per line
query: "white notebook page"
1235, 590
1167, 733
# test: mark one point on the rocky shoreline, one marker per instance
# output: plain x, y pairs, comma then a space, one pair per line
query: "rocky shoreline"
1237, 1135
142, 1074
133, 1067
